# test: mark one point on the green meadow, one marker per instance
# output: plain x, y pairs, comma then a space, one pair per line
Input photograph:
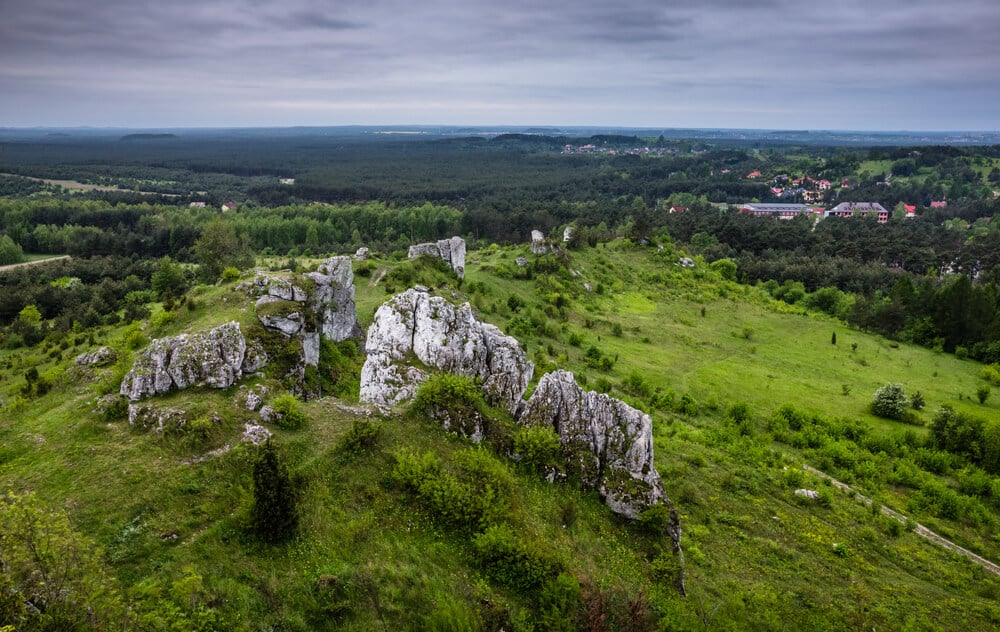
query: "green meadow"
743, 390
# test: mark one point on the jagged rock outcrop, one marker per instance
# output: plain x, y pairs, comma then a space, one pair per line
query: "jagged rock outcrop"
332, 300
326, 309
538, 246
415, 324
608, 443
452, 251
214, 358
101, 356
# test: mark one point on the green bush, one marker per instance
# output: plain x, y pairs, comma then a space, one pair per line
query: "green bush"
991, 373
230, 274
538, 446
290, 415
446, 391
511, 562
274, 513
890, 402
361, 438
479, 499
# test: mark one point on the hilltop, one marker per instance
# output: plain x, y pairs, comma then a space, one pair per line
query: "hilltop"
743, 391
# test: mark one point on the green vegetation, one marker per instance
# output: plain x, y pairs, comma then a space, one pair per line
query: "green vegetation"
715, 324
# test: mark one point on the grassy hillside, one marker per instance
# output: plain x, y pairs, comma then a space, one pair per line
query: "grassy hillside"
711, 360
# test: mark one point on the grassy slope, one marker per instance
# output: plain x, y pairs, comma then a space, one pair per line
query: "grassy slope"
756, 558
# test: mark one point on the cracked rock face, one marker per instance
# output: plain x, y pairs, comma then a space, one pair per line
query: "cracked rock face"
607, 442
333, 300
214, 358
442, 337
538, 246
452, 251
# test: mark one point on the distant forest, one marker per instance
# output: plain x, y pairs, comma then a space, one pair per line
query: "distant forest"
932, 279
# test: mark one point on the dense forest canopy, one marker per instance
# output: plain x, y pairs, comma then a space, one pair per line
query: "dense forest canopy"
301, 192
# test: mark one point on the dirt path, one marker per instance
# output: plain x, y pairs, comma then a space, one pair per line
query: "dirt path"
31, 263
378, 277
920, 529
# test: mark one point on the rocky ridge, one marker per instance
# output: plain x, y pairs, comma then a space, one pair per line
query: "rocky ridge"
606, 442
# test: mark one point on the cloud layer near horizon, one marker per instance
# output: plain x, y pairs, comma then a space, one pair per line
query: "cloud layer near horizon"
875, 64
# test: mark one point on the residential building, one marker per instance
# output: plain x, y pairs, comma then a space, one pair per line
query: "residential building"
852, 209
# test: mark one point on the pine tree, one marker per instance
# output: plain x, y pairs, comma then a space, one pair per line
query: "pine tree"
274, 514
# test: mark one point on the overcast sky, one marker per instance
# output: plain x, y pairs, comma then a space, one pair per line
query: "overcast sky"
784, 64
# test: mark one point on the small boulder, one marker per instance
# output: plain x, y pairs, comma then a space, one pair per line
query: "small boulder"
279, 315
101, 356
807, 493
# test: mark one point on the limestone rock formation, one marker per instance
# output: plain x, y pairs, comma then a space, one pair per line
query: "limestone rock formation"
332, 300
538, 246
608, 443
443, 337
214, 358
100, 356
452, 251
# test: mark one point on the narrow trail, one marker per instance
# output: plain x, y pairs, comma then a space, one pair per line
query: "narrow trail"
920, 529
378, 277
31, 263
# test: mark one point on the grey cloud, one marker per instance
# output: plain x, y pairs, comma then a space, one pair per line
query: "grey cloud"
601, 55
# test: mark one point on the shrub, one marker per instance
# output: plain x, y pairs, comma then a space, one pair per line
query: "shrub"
230, 274
361, 438
982, 393
478, 501
510, 562
274, 514
290, 415
991, 373
538, 446
917, 401
890, 402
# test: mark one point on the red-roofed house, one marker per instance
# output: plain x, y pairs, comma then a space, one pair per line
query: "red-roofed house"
753, 175
941, 204
845, 183
677, 209
824, 185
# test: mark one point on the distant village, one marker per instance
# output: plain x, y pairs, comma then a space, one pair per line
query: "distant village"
812, 191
